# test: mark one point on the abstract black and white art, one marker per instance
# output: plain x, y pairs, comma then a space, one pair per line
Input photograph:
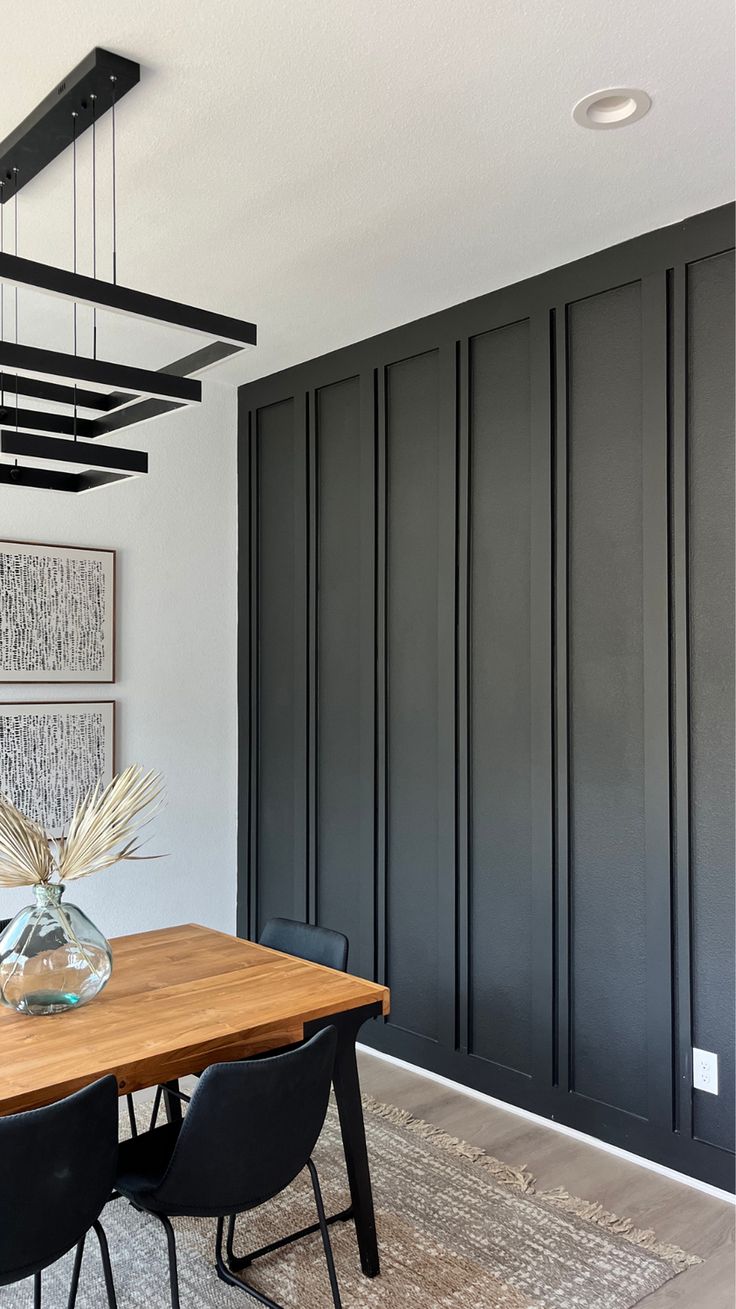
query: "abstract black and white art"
57, 606
51, 754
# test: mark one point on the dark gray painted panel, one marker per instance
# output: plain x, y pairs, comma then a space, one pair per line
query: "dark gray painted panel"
711, 535
618, 598
500, 698
414, 487
344, 665
282, 576
606, 701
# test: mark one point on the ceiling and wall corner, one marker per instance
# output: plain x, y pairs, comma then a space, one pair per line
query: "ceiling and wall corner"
328, 170
334, 168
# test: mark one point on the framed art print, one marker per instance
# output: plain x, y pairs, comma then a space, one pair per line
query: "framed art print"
57, 613
51, 754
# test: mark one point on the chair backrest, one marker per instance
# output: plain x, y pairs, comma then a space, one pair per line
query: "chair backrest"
319, 945
58, 1171
249, 1130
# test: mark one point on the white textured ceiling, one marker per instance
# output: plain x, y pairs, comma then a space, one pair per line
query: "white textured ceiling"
332, 168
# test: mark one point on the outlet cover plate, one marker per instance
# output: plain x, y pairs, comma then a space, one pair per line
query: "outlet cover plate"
705, 1071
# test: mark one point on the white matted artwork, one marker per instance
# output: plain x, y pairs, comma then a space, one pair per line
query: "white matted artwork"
57, 613
51, 754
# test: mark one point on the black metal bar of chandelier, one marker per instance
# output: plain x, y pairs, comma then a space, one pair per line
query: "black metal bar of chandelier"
33, 446
56, 479
100, 372
136, 394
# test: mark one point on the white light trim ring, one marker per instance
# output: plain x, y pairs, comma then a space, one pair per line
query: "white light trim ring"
614, 106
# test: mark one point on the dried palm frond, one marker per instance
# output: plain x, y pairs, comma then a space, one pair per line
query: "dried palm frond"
25, 857
104, 824
101, 833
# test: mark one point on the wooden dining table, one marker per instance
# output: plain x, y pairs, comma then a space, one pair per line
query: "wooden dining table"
185, 997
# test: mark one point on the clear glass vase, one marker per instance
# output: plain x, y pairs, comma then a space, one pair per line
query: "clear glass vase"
52, 958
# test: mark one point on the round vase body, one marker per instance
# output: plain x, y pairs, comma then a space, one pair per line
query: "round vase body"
52, 958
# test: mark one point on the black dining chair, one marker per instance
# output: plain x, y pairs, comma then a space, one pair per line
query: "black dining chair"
250, 1129
58, 1171
318, 945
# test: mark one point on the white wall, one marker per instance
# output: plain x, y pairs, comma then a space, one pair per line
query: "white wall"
176, 536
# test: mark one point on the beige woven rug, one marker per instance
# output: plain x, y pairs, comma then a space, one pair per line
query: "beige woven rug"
457, 1229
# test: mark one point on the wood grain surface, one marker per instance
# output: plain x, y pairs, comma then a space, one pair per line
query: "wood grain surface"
178, 1000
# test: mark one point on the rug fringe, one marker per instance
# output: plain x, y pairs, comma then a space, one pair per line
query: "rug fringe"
521, 1179
644, 1237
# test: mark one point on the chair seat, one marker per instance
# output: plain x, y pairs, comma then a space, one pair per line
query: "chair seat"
143, 1160
142, 1164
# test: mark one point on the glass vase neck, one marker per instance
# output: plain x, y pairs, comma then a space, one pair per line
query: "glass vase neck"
49, 893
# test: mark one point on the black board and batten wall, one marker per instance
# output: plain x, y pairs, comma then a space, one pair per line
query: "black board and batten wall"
486, 657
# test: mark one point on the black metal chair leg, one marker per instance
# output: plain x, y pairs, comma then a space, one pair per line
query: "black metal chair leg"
173, 1269
325, 1234
74, 1285
131, 1115
223, 1272
37, 1291
230, 1239
106, 1265
237, 1262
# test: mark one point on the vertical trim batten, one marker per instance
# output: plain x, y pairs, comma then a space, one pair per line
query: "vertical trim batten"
367, 401
462, 710
254, 864
563, 1067
446, 694
312, 725
543, 954
300, 601
245, 682
656, 699
680, 701
381, 704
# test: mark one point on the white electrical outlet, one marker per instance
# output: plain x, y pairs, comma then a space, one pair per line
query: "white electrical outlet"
705, 1071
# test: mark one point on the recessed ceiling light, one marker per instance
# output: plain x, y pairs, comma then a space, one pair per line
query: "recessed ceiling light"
617, 106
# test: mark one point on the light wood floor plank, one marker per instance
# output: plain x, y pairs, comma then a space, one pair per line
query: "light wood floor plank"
699, 1223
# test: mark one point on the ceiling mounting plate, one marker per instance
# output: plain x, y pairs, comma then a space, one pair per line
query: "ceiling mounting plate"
48, 131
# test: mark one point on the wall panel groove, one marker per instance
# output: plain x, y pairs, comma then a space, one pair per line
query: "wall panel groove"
485, 714
607, 622
500, 716
342, 695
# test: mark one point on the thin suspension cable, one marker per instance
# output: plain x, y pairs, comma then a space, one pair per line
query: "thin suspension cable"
2, 293
74, 246
93, 98
15, 225
114, 189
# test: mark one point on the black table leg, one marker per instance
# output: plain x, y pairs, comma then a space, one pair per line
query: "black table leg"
350, 1110
172, 1103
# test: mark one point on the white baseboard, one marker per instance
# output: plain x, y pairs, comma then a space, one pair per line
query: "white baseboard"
554, 1126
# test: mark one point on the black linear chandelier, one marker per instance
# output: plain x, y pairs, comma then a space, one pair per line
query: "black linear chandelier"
128, 395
